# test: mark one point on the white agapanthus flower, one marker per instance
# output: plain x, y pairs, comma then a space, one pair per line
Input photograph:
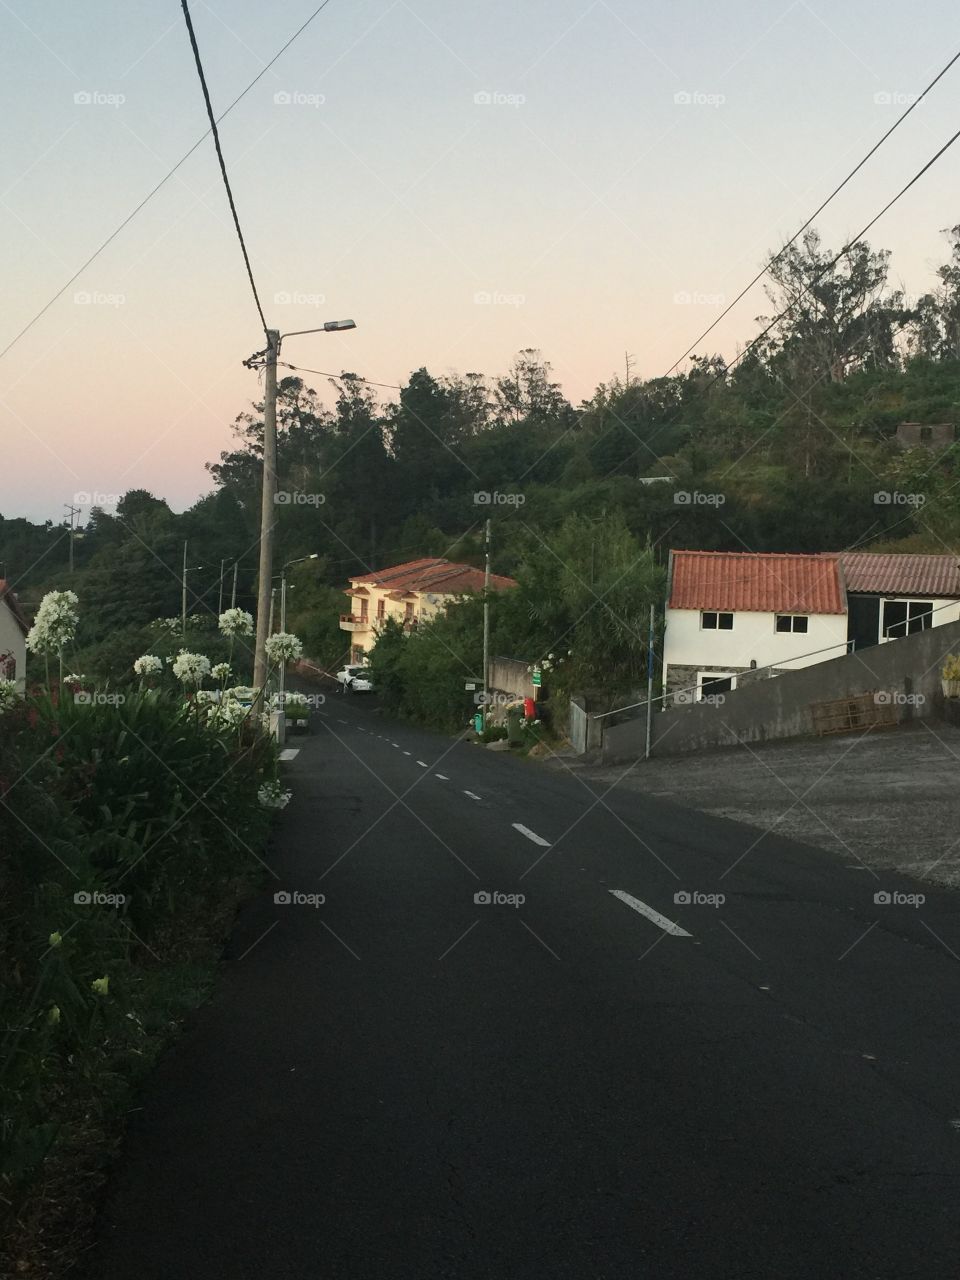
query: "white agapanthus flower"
191, 668
166, 624
221, 671
148, 665
241, 693
283, 647
236, 622
272, 796
207, 697
55, 624
73, 678
8, 695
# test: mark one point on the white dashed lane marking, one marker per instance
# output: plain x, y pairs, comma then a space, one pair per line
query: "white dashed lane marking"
472, 795
442, 776
422, 764
531, 835
290, 753
660, 921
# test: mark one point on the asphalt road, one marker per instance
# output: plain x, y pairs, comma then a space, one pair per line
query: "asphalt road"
596, 1082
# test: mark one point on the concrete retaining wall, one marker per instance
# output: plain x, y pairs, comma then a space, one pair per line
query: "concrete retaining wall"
907, 670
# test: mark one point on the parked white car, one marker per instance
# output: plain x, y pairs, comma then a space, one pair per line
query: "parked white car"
355, 677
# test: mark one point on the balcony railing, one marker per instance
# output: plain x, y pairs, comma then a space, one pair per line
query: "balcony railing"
353, 622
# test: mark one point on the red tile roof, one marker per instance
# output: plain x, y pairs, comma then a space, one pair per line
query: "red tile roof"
444, 577
10, 600
755, 583
901, 575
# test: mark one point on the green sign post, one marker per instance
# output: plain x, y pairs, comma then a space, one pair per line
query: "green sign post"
535, 678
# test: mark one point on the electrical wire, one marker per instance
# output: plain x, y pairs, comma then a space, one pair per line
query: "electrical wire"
816, 213
843, 252
223, 164
339, 376
162, 183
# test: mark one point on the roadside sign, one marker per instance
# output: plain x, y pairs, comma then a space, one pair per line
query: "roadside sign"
535, 678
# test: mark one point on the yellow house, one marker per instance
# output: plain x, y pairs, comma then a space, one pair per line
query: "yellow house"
412, 593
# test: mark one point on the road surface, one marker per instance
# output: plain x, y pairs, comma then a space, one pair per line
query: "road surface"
572, 1075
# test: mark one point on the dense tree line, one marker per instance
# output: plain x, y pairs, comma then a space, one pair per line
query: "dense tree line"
784, 447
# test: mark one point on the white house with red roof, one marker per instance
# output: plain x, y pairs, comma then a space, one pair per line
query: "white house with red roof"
13, 637
730, 613
411, 593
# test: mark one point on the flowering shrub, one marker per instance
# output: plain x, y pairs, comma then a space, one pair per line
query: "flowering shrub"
8, 695
272, 796
191, 668
283, 647
221, 672
148, 665
236, 622
54, 626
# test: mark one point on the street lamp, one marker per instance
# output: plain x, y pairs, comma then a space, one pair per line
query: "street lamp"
269, 483
283, 618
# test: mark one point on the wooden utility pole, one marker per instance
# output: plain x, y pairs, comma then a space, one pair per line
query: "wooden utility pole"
268, 509
233, 593
183, 593
220, 598
72, 512
486, 619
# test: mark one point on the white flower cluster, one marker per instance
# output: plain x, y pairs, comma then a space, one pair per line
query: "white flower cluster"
241, 693
73, 678
191, 668
283, 647
236, 622
272, 796
221, 671
148, 665
227, 714
8, 695
166, 624
55, 624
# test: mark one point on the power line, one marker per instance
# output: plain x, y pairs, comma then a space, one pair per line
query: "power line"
843, 252
223, 165
816, 213
163, 181
339, 377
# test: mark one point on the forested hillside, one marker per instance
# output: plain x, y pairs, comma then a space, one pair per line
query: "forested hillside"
790, 446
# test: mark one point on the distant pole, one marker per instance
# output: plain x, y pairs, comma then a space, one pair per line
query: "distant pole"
233, 593
183, 594
268, 510
486, 619
273, 596
283, 665
220, 598
72, 512
650, 634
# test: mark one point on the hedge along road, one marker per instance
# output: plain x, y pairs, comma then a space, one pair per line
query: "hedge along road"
495, 1023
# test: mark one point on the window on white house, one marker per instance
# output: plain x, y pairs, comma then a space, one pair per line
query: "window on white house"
716, 621
904, 617
796, 622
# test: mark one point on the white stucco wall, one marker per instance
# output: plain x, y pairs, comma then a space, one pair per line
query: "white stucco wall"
753, 638
12, 641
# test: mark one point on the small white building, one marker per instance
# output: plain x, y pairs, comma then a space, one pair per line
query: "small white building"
732, 613
13, 638
894, 595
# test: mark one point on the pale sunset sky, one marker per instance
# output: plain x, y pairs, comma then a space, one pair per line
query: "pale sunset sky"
402, 158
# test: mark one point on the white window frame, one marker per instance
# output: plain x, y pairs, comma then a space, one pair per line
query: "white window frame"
715, 675
883, 638
720, 613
